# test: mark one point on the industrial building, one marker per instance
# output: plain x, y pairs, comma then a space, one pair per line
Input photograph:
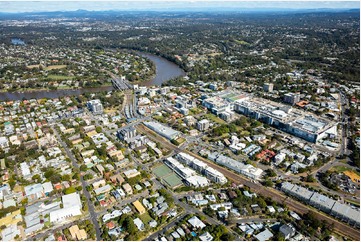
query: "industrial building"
296, 122
341, 211
162, 130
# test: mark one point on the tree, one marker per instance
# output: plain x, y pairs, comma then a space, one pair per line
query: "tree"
227, 237
83, 167
70, 190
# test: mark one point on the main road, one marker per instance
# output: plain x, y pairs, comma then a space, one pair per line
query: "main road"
92, 212
277, 196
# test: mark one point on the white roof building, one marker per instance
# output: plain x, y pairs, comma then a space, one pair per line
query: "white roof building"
72, 200
206, 237
196, 222
263, 236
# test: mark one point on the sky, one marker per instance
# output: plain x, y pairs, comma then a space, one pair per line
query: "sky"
164, 5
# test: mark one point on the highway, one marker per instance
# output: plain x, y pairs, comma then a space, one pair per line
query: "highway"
277, 196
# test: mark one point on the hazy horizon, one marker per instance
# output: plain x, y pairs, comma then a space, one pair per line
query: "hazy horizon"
160, 5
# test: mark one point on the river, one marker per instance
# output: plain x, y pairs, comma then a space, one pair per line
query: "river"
165, 70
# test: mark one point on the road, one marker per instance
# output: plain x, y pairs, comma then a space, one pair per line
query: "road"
267, 192
54, 229
191, 210
155, 235
93, 215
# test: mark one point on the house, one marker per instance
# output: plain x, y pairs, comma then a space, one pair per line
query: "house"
139, 224
34, 191
10, 232
232, 194
263, 236
117, 178
175, 235
4, 142
288, 231
181, 232
206, 237
153, 224
139, 207
100, 168
271, 209
196, 222
110, 225
77, 233
128, 189
48, 188
103, 189
99, 183
131, 173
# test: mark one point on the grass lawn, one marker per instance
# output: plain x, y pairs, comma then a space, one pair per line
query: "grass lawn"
145, 218
214, 118
60, 77
181, 140
54, 67
241, 42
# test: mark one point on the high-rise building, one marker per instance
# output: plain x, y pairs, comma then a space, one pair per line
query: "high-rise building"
95, 106
292, 98
268, 87
127, 133
203, 125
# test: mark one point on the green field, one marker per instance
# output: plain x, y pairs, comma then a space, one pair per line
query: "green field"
161, 171
145, 218
54, 67
214, 118
241, 42
173, 180
341, 169
60, 77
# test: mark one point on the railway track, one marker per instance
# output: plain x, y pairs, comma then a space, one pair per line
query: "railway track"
277, 196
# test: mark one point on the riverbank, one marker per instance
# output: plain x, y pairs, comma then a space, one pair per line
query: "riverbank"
165, 70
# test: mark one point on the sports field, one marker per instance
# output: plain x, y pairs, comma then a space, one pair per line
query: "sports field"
161, 171
167, 175
173, 180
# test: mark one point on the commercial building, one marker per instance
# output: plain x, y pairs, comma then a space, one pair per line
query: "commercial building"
162, 130
71, 207
341, 211
190, 176
245, 169
268, 87
296, 122
292, 98
202, 167
95, 106
127, 133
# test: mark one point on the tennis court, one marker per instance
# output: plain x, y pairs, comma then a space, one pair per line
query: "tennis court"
173, 180
161, 171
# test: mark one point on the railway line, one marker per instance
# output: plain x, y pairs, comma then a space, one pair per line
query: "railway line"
277, 196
